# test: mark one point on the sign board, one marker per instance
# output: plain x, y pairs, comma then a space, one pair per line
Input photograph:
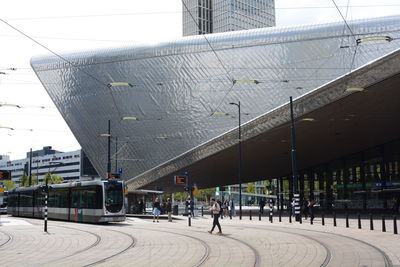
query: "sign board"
1, 190
113, 176
180, 179
120, 170
5, 175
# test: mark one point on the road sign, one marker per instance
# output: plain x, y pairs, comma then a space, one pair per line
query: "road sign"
5, 175
120, 170
180, 179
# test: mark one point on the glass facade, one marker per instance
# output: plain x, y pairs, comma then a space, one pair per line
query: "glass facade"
366, 180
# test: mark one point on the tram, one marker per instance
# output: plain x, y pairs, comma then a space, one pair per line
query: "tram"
80, 201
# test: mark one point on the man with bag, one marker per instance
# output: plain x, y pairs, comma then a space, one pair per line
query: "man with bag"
215, 209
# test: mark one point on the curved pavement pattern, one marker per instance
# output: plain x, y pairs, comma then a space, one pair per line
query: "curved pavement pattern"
139, 242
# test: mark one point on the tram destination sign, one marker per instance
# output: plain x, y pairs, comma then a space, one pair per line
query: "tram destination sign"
180, 179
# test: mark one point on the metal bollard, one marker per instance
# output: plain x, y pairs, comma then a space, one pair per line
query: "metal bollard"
202, 211
334, 218
250, 215
300, 218
371, 222
290, 218
259, 216
280, 215
347, 220
383, 224
271, 219
394, 225
359, 221
323, 218
190, 221
312, 220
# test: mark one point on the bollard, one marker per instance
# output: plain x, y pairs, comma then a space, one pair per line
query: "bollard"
202, 211
394, 225
300, 218
334, 218
271, 218
280, 215
371, 222
347, 220
323, 218
259, 216
359, 221
189, 221
250, 215
312, 220
383, 224
290, 218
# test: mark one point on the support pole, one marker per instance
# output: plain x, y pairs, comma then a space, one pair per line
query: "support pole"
30, 168
371, 222
296, 195
45, 204
359, 221
109, 148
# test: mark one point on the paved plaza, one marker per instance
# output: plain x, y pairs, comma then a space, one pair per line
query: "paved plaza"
140, 242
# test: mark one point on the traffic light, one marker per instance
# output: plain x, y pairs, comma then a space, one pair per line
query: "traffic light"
5, 175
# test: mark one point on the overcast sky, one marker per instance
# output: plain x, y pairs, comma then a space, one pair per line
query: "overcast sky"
86, 24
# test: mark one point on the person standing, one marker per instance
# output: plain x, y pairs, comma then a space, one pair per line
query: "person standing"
141, 207
169, 210
156, 209
262, 205
232, 207
215, 210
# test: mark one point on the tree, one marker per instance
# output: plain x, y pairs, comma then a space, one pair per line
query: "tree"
250, 188
180, 196
9, 184
52, 179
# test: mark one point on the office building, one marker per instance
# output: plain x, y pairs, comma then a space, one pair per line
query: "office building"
213, 16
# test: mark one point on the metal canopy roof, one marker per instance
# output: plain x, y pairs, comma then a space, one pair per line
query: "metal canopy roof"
344, 123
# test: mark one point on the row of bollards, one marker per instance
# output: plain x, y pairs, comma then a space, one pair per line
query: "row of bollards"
371, 219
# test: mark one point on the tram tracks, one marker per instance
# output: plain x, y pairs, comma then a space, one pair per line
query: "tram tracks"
8, 241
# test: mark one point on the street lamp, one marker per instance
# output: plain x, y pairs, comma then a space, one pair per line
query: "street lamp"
240, 161
296, 195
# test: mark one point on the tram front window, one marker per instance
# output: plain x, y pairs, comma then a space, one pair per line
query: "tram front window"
113, 196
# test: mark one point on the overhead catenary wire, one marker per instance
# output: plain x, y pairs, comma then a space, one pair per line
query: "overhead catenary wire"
64, 59
180, 11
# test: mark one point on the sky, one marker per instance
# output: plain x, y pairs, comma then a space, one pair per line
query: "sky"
80, 25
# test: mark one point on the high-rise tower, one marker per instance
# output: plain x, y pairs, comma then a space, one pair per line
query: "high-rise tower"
210, 16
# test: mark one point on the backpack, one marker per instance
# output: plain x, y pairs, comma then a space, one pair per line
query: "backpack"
221, 209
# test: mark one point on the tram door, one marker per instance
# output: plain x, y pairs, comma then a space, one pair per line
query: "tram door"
76, 205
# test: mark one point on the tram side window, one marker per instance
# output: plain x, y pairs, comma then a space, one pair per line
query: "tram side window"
39, 198
59, 198
12, 199
26, 199
87, 198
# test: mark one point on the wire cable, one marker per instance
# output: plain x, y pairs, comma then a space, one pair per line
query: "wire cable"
66, 60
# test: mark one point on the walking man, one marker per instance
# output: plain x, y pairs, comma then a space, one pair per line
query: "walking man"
215, 209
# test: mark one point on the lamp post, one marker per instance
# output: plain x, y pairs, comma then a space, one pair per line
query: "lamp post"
109, 148
296, 196
240, 161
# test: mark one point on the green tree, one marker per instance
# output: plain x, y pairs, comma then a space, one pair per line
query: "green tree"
24, 180
9, 184
52, 179
250, 188
180, 196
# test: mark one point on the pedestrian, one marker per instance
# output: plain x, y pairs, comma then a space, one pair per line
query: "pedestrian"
306, 206
156, 209
293, 204
262, 205
169, 210
232, 208
221, 211
141, 207
226, 207
215, 209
